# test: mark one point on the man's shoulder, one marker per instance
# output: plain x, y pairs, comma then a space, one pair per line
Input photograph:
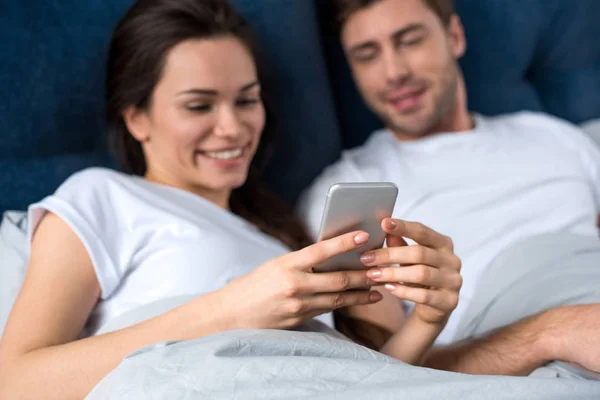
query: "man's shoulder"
530, 120
553, 130
354, 164
376, 140
359, 164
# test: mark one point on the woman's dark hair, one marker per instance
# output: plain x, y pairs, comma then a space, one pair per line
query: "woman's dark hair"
137, 54
138, 50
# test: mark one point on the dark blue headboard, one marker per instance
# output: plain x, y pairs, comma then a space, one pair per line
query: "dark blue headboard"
52, 57
535, 54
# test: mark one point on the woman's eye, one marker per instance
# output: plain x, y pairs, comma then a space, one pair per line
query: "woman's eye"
199, 107
247, 102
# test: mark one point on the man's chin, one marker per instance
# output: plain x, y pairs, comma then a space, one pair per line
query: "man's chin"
412, 125
409, 130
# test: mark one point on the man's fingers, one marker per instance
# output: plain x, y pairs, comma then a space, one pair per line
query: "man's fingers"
411, 255
333, 301
418, 232
319, 252
423, 275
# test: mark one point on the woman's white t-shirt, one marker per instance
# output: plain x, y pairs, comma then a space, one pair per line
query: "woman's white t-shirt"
149, 242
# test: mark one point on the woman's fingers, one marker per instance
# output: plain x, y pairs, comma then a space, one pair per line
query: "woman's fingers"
418, 232
411, 255
420, 274
395, 241
326, 302
317, 253
331, 282
442, 300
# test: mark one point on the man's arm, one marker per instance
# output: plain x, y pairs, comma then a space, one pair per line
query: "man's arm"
513, 350
567, 333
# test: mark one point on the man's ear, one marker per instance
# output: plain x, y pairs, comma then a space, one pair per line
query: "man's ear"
138, 123
456, 32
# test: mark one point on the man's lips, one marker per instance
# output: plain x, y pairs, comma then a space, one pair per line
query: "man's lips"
407, 99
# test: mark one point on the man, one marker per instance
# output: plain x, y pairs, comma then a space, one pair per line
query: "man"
485, 182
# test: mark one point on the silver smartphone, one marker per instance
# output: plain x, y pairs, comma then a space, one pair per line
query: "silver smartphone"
351, 207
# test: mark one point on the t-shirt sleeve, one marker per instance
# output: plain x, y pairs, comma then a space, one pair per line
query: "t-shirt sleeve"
84, 203
312, 201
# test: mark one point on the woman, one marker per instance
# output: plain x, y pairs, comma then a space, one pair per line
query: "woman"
186, 114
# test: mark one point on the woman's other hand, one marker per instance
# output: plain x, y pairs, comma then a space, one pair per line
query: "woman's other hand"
429, 272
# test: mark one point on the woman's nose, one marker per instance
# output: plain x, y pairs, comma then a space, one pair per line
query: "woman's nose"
228, 123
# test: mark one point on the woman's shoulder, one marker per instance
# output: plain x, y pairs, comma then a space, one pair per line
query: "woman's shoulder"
93, 190
95, 181
95, 177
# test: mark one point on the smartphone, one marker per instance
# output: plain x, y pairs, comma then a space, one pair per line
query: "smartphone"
352, 207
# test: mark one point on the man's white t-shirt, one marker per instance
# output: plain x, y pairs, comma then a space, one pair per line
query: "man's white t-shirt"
149, 242
509, 178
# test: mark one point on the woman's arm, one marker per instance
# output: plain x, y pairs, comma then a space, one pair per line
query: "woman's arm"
372, 325
413, 341
39, 354
430, 276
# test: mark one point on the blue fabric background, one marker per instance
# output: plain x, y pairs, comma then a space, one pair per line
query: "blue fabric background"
529, 54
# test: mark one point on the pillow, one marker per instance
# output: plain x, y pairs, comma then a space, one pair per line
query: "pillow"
14, 253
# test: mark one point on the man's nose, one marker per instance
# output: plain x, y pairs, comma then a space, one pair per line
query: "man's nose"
396, 66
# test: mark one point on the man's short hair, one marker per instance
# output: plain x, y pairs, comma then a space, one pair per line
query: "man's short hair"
344, 9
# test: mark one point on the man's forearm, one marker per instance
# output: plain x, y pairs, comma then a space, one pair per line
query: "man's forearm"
517, 349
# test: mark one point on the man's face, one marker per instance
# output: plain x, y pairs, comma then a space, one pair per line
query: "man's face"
404, 61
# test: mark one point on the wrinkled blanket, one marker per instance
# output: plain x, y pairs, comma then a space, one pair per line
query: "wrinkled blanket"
533, 276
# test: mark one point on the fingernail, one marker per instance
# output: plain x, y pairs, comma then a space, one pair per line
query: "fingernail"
374, 273
390, 224
390, 287
367, 258
375, 296
361, 238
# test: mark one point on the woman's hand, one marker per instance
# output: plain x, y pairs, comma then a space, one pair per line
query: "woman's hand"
429, 274
284, 292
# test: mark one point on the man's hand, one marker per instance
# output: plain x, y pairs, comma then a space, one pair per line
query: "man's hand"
574, 335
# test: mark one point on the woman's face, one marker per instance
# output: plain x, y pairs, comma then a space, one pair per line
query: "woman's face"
205, 119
